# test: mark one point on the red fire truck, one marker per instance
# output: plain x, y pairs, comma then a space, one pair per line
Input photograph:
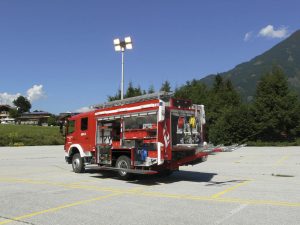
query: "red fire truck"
148, 134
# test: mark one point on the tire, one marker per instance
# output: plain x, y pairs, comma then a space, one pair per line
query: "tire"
77, 163
123, 162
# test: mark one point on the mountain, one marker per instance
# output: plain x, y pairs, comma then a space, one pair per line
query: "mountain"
245, 76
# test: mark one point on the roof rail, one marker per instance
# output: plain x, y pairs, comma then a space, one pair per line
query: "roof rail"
159, 95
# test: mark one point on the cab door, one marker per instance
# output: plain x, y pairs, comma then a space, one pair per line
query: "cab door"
84, 134
70, 133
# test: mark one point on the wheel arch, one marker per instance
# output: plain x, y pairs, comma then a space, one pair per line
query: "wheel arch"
76, 148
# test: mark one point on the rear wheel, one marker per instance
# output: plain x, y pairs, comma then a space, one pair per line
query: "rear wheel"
77, 163
123, 162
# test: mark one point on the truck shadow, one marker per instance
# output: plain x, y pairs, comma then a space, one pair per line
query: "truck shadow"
190, 176
157, 179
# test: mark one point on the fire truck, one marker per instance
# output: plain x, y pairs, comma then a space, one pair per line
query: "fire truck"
148, 134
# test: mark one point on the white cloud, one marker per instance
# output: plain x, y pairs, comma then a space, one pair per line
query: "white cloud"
7, 99
83, 109
35, 93
248, 35
270, 32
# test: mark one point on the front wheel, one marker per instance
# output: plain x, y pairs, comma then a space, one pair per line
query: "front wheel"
77, 163
123, 162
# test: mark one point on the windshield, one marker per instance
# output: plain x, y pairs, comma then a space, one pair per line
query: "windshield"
185, 128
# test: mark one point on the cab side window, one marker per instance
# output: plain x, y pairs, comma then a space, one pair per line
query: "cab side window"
71, 126
84, 123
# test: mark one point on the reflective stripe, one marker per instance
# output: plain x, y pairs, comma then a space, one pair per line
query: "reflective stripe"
127, 109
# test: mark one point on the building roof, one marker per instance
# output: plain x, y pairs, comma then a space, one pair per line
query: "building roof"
36, 113
6, 107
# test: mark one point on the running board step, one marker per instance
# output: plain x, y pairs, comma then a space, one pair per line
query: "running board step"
136, 171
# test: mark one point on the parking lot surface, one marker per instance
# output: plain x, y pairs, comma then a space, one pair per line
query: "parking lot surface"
248, 186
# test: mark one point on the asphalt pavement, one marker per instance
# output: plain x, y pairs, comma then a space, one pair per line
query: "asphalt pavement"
249, 186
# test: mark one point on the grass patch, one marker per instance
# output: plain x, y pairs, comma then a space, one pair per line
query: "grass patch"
26, 135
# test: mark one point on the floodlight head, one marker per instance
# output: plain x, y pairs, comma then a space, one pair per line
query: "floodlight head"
128, 46
128, 40
121, 45
118, 48
117, 41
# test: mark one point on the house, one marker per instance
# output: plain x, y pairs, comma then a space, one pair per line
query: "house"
35, 118
4, 114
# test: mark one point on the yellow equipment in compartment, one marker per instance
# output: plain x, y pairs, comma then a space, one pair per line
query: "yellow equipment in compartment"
192, 121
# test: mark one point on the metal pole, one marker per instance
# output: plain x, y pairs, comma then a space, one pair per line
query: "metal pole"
122, 80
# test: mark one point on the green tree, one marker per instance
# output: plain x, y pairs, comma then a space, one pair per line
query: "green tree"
235, 125
130, 92
223, 102
276, 108
151, 89
221, 97
52, 121
194, 90
218, 83
13, 113
166, 86
133, 91
22, 104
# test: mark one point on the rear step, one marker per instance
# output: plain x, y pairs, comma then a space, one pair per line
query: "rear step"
136, 171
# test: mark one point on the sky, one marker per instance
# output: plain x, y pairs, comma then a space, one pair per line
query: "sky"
60, 55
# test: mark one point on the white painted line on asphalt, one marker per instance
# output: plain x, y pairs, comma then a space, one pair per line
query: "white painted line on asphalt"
231, 214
